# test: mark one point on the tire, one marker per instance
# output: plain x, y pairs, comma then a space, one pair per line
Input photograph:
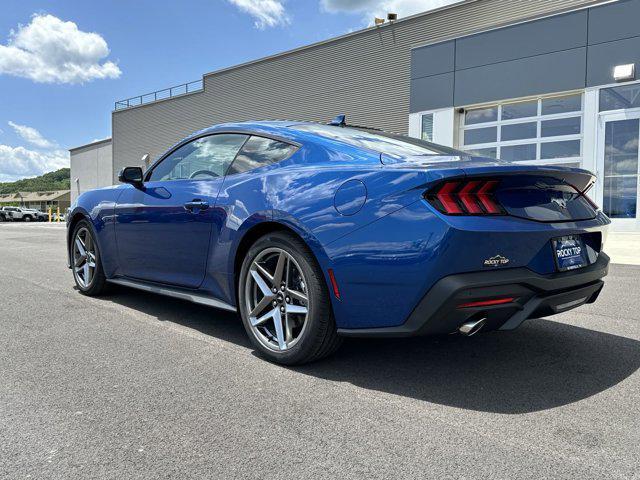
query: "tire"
315, 331
97, 283
26, 218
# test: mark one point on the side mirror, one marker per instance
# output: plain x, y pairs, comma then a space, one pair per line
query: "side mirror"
131, 175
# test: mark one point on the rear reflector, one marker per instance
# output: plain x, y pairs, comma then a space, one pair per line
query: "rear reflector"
468, 197
334, 284
487, 303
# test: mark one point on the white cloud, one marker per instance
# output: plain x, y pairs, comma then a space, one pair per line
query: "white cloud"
20, 162
49, 50
266, 13
31, 135
380, 8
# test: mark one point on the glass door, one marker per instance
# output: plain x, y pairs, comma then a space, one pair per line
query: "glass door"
618, 167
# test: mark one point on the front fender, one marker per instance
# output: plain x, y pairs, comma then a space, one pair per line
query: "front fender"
98, 206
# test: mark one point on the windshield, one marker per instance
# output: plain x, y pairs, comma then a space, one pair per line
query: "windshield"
382, 142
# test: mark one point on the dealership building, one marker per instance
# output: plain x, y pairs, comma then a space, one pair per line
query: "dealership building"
526, 81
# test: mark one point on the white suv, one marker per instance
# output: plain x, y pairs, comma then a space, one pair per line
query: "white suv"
19, 213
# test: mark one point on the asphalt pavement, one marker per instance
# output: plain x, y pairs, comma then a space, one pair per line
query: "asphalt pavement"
133, 385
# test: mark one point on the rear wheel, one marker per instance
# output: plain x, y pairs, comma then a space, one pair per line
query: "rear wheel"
27, 218
86, 262
284, 301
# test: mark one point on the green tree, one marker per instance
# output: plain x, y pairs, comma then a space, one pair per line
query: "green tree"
58, 180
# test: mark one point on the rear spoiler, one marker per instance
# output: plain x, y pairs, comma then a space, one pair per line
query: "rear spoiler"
582, 180
461, 166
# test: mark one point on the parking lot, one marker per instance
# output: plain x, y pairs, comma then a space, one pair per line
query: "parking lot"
132, 385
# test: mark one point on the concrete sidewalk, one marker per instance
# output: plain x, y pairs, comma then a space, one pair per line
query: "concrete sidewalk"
623, 248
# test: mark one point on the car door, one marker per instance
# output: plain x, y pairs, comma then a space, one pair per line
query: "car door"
242, 194
163, 228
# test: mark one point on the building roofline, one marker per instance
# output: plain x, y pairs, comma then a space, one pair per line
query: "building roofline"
91, 144
458, 4
40, 196
387, 24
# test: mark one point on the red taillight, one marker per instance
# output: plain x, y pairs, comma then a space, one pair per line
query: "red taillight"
487, 303
485, 195
469, 197
446, 198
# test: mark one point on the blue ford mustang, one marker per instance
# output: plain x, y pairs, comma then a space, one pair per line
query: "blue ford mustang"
314, 232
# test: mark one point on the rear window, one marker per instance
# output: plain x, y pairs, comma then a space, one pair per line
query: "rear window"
258, 152
378, 141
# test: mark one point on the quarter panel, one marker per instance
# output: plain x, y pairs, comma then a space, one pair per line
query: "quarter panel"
301, 195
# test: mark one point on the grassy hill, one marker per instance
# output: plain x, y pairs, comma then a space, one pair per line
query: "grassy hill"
58, 180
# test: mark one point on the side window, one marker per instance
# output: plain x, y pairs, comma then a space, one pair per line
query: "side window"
206, 157
258, 152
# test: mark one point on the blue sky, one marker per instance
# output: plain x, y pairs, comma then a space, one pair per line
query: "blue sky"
58, 80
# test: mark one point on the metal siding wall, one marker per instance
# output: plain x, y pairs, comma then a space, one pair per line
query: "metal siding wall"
548, 35
366, 76
433, 60
614, 21
430, 93
604, 57
92, 167
554, 72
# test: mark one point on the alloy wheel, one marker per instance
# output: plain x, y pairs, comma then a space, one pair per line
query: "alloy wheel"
84, 257
276, 299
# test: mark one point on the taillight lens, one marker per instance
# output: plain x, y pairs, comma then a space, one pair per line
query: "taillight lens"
466, 197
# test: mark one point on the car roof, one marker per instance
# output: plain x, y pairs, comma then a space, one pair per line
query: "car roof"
288, 130
278, 128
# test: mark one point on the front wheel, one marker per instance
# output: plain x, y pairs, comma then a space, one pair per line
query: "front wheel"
284, 301
27, 218
86, 262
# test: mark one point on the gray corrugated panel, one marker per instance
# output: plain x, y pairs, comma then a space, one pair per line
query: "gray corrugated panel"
604, 57
429, 93
554, 72
366, 76
552, 34
433, 59
614, 21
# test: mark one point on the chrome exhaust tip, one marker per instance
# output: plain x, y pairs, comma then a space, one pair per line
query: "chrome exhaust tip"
471, 328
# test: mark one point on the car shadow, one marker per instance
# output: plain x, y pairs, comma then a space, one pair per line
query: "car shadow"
542, 365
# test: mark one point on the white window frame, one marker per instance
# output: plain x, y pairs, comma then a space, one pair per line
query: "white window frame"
595, 137
538, 119
599, 89
444, 125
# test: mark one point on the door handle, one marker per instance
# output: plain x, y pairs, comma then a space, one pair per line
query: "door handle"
196, 204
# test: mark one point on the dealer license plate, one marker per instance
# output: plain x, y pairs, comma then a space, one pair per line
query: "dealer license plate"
569, 252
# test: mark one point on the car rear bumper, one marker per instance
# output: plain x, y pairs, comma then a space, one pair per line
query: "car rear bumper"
535, 295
